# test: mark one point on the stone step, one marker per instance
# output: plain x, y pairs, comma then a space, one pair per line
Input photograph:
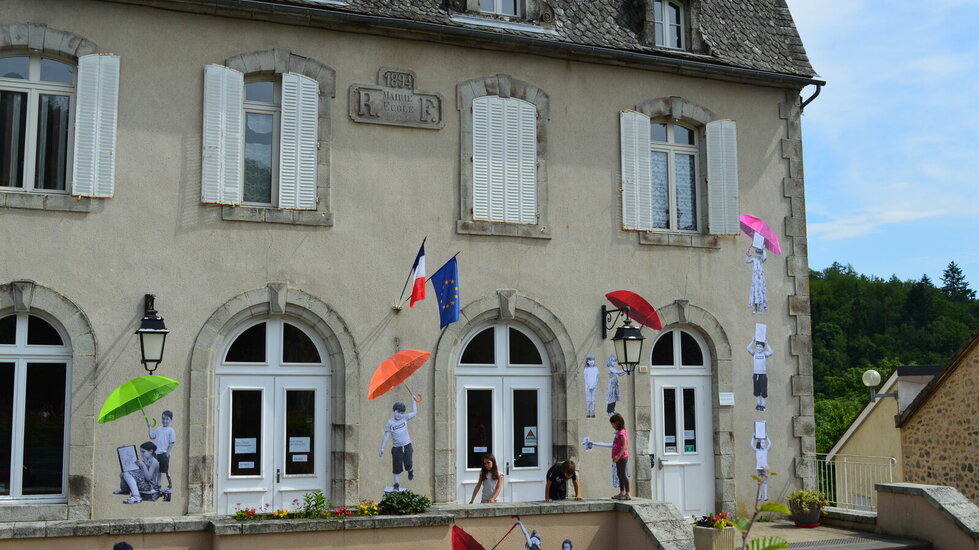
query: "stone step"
863, 542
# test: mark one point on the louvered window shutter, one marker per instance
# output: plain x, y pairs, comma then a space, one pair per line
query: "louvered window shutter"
221, 164
481, 156
504, 160
524, 139
297, 142
637, 182
94, 161
722, 177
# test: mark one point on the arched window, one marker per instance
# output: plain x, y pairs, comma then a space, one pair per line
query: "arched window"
679, 349
35, 379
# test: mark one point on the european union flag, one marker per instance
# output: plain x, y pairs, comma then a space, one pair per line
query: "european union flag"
446, 283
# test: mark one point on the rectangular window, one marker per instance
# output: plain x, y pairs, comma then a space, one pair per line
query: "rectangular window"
501, 7
52, 142
669, 420
13, 129
246, 432
300, 438
479, 426
525, 426
259, 147
689, 421
6, 424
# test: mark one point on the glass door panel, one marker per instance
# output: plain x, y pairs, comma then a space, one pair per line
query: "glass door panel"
44, 429
300, 436
246, 432
524, 429
479, 426
6, 424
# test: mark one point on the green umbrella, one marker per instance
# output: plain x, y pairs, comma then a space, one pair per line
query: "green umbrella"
134, 395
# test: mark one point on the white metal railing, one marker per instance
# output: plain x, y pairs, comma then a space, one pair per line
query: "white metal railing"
848, 480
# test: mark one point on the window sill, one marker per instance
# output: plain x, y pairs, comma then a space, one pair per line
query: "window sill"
276, 215
22, 511
501, 229
490, 20
689, 240
58, 202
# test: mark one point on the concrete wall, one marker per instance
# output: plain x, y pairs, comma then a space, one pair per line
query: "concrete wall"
939, 515
949, 455
391, 186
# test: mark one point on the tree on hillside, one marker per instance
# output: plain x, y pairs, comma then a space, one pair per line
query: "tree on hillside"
954, 284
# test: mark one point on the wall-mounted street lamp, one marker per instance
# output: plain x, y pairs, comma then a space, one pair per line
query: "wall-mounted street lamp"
152, 335
871, 379
627, 340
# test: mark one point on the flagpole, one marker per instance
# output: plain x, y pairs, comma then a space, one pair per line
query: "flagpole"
443, 265
411, 272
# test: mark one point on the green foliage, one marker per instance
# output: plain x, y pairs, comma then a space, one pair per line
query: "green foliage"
804, 500
775, 507
313, 505
403, 502
861, 322
767, 543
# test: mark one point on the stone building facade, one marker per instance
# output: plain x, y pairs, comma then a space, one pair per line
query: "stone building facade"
950, 455
268, 170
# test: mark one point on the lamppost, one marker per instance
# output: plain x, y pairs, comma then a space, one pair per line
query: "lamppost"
152, 335
628, 338
871, 379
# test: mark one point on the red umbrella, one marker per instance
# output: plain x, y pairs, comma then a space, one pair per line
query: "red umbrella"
462, 540
639, 308
751, 225
395, 370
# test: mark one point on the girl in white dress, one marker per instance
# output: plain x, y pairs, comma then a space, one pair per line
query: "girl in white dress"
756, 256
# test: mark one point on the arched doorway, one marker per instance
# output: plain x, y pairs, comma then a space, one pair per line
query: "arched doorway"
503, 402
683, 431
273, 380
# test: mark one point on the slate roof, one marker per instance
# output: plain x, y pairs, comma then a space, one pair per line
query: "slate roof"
750, 34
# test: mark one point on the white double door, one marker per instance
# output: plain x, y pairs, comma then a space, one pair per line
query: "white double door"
273, 440
682, 443
510, 418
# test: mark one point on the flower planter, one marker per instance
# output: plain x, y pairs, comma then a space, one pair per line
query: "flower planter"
807, 517
708, 538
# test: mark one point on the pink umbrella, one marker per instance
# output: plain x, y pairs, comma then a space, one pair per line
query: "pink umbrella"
751, 225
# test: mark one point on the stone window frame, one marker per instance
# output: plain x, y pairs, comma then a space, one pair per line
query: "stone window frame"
532, 12
505, 305
28, 296
675, 109
691, 318
38, 38
502, 85
331, 329
278, 61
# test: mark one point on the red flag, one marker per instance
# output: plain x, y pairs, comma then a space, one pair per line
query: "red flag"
418, 273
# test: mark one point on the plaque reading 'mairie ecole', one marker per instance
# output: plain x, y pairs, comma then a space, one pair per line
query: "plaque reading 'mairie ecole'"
395, 101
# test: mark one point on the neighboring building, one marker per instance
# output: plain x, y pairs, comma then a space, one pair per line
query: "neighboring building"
268, 169
940, 428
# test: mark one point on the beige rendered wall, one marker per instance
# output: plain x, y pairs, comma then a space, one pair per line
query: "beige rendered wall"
158, 541
941, 439
390, 187
913, 516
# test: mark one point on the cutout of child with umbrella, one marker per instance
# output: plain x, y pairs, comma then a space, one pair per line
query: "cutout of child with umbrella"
391, 372
140, 478
762, 237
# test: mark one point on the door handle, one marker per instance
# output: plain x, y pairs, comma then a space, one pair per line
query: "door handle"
659, 463
507, 467
278, 475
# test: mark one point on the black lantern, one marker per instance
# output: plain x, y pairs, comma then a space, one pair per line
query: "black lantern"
152, 335
628, 339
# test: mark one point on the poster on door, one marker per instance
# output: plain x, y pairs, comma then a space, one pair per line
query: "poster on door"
530, 436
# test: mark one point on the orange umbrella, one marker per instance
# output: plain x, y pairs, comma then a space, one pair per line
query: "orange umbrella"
395, 370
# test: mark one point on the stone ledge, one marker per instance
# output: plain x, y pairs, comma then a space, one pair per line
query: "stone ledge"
55, 202
850, 516
947, 500
276, 215
503, 229
686, 240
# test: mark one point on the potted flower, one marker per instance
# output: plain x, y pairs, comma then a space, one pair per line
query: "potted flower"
806, 507
714, 532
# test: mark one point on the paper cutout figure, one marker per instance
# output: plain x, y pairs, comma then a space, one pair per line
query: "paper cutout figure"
567, 545
591, 375
122, 546
142, 480
164, 437
532, 538
588, 444
761, 445
760, 350
612, 393
756, 256
401, 449
490, 479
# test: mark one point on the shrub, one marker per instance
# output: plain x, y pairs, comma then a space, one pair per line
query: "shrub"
404, 502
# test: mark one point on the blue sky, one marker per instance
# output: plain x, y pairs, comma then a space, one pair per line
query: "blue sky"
891, 144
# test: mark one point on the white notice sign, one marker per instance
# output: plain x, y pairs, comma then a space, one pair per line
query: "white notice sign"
688, 434
246, 445
298, 444
246, 465
299, 458
530, 436
529, 450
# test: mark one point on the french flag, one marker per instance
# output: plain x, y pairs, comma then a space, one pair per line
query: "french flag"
418, 273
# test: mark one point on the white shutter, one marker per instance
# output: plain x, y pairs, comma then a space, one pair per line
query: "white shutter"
94, 164
722, 177
637, 180
526, 139
481, 163
497, 159
221, 158
297, 142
